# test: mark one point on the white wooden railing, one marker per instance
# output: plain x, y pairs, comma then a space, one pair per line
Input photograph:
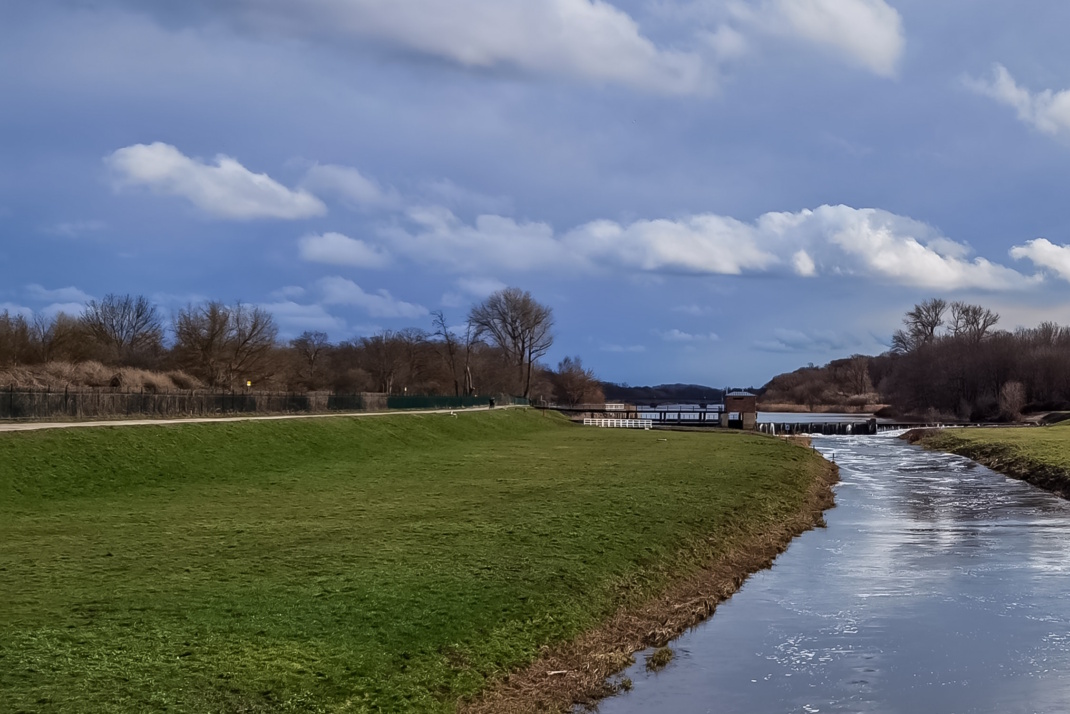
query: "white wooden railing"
620, 423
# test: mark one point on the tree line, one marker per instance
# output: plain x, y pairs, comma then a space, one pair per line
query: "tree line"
497, 350
948, 359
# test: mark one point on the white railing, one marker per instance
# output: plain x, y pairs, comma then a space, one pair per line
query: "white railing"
620, 423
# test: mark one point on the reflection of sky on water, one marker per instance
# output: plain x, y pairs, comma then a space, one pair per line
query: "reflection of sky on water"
939, 586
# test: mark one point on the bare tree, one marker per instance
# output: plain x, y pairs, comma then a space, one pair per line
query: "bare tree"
971, 322
124, 325
518, 325
225, 345
921, 323
311, 348
449, 350
383, 356
16, 339
857, 374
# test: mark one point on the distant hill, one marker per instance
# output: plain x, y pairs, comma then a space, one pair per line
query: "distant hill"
662, 393
843, 384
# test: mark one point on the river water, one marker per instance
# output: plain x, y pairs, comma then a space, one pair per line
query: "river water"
938, 586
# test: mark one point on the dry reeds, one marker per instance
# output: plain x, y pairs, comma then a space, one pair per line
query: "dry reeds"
58, 376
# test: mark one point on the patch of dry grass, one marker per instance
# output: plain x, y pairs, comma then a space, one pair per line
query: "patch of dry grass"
94, 375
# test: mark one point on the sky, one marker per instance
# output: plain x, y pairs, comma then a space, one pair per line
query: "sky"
708, 191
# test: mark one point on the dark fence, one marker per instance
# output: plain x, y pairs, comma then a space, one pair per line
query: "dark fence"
44, 404
18, 403
427, 402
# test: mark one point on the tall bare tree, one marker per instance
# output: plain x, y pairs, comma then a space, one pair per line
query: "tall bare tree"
518, 325
124, 325
921, 324
971, 322
449, 348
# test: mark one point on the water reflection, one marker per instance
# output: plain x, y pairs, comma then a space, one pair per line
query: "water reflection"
939, 586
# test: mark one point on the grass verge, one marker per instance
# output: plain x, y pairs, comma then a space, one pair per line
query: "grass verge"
1037, 455
395, 564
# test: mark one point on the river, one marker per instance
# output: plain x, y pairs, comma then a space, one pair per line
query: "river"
938, 586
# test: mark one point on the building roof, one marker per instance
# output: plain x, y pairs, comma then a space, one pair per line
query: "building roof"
740, 394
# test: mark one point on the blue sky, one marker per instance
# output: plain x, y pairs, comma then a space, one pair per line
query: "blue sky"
709, 191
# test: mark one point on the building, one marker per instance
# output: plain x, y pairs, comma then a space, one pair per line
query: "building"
740, 410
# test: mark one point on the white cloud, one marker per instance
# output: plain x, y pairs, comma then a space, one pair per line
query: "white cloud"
68, 308
295, 318
224, 189
340, 291
492, 243
675, 335
727, 43
349, 185
1047, 111
906, 252
338, 249
1045, 254
588, 39
803, 264
48, 311
70, 295
828, 241
865, 32
14, 309
695, 244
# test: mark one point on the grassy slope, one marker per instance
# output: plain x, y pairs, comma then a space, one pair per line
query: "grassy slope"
1039, 455
388, 564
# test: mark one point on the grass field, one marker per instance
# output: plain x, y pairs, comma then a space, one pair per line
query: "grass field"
390, 564
1039, 455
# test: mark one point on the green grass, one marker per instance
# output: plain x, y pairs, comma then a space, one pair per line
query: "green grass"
386, 564
1049, 445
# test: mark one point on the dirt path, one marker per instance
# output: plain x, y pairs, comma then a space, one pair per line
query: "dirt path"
36, 426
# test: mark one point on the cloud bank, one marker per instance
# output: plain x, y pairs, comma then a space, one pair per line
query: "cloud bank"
826, 241
587, 39
867, 33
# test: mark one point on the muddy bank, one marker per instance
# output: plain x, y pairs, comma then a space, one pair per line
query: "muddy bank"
580, 672
1003, 458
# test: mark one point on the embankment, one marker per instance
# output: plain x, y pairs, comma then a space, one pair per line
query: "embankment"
580, 671
415, 563
1036, 455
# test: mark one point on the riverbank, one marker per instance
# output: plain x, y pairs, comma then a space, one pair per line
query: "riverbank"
1036, 455
582, 671
402, 563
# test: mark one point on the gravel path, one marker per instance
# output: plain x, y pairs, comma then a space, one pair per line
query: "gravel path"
36, 426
